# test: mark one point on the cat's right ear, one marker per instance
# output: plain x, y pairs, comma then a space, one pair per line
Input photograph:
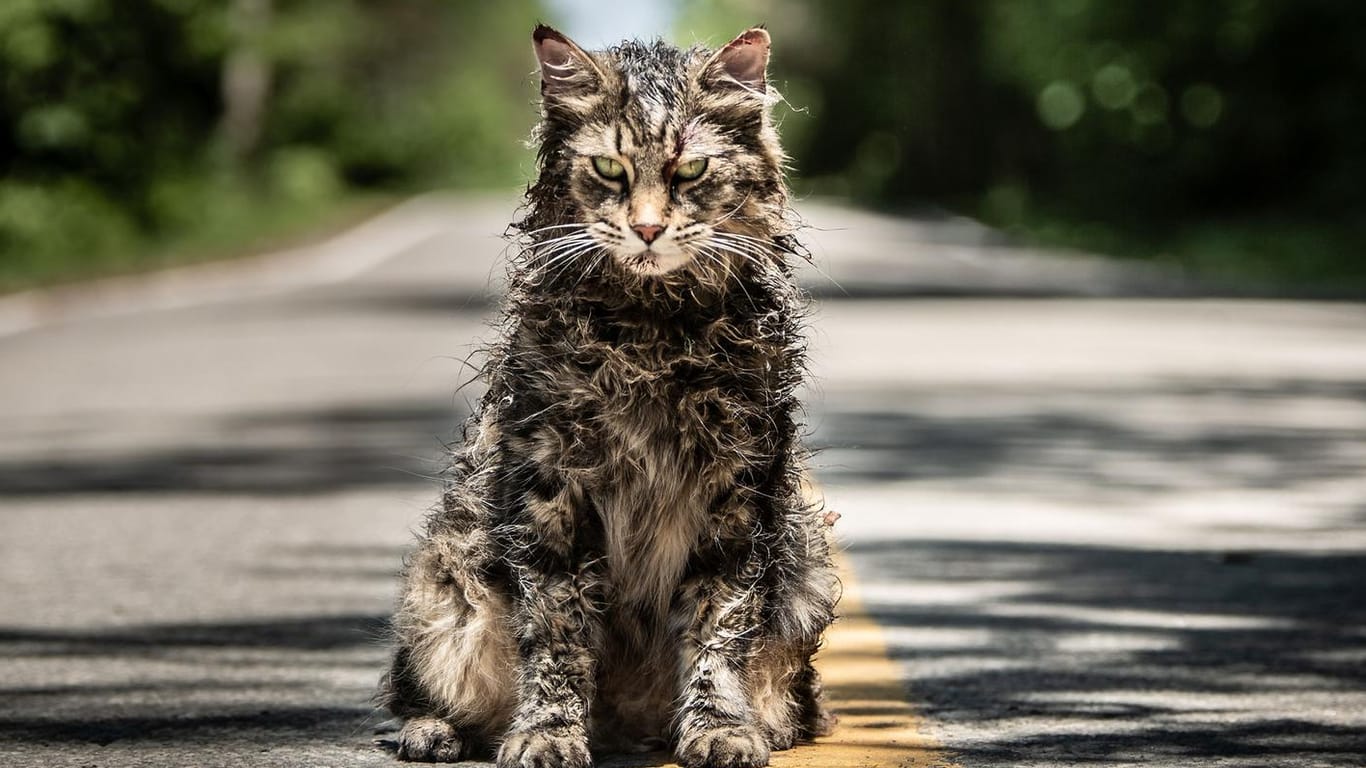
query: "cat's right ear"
566, 69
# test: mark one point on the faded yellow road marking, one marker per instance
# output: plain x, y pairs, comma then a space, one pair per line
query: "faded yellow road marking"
877, 727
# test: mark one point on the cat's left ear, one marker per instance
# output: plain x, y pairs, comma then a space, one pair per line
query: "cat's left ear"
565, 67
742, 62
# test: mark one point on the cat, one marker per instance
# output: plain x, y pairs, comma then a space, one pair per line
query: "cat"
625, 557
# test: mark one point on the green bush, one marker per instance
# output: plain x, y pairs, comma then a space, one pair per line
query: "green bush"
116, 143
45, 227
1139, 128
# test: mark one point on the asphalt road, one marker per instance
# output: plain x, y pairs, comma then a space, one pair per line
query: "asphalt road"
1097, 527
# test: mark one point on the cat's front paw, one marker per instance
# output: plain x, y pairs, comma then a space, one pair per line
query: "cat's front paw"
545, 748
738, 746
431, 740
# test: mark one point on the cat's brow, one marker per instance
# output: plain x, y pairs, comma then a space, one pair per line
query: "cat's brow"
690, 131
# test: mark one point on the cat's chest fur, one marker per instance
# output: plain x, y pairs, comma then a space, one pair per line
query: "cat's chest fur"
652, 507
665, 425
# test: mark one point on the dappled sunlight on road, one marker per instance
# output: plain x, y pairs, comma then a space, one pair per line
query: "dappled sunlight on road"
1041, 654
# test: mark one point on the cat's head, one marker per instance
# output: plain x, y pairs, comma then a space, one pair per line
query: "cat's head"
663, 160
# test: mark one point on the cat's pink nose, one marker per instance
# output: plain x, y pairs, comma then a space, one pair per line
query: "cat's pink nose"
648, 232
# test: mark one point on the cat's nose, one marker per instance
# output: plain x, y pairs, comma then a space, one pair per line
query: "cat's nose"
647, 232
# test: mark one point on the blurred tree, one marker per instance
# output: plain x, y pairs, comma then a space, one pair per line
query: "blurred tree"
901, 105
129, 122
1226, 131
246, 78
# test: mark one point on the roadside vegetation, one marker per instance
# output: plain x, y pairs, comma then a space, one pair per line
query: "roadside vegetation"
1223, 137
140, 133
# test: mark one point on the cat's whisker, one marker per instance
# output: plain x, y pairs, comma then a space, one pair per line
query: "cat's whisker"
725, 266
762, 244
759, 250
539, 230
593, 265
789, 250
704, 257
536, 267
742, 250
579, 231
573, 258
560, 245
781, 245
552, 243
550, 270
564, 258
547, 270
742, 236
736, 209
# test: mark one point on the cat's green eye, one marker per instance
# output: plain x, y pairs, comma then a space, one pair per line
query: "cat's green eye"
609, 168
691, 169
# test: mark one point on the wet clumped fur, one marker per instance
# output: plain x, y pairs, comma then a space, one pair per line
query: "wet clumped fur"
624, 557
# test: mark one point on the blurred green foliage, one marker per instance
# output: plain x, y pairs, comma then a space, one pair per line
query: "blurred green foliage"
1224, 134
116, 146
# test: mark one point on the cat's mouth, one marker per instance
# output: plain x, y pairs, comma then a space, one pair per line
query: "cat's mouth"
653, 262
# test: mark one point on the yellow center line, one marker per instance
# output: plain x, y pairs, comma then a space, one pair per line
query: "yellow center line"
877, 727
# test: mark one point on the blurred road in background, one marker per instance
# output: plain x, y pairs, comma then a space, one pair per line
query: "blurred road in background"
1096, 525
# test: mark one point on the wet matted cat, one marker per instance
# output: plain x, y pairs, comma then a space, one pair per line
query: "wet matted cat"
624, 557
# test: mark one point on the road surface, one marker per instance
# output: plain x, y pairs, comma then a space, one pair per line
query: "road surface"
1087, 525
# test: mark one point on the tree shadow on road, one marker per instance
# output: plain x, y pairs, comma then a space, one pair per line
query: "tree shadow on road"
236, 685
275, 452
1041, 654
117, 694
1061, 442
1089, 444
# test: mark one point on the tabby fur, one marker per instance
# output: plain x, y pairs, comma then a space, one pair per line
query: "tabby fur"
625, 556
